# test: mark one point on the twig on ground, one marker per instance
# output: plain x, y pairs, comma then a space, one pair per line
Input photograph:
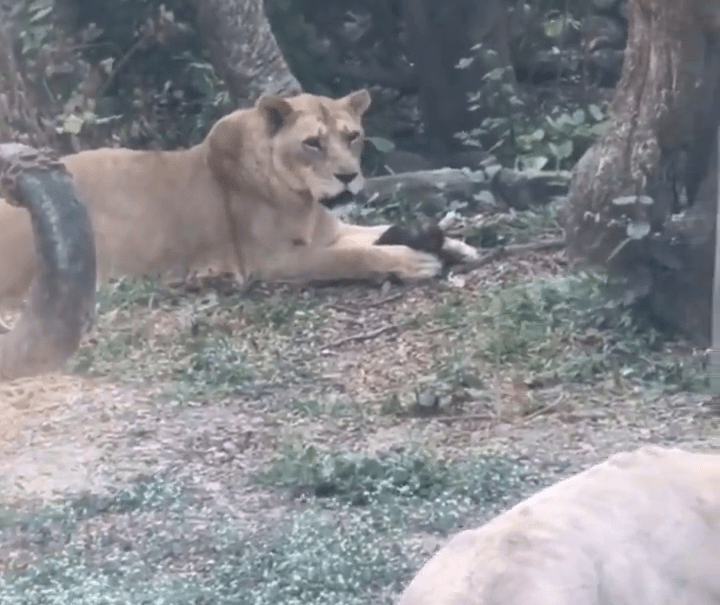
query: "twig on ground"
504, 251
455, 417
386, 300
362, 336
543, 409
369, 305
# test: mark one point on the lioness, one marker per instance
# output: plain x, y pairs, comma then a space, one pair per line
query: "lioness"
249, 198
642, 528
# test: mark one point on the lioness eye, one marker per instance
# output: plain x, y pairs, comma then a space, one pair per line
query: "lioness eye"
353, 136
313, 142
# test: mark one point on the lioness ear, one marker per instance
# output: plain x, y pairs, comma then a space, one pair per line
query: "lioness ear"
358, 102
223, 149
276, 111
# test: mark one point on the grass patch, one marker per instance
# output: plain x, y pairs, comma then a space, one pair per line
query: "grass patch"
198, 346
517, 227
185, 551
398, 479
565, 329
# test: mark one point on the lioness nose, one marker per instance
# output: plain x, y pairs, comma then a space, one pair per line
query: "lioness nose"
346, 177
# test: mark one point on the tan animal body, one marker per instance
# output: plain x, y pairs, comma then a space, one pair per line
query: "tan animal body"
250, 198
642, 528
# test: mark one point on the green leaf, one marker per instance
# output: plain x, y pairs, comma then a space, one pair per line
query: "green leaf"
637, 229
465, 62
72, 124
494, 74
532, 162
381, 144
537, 135
563, 150
596, 113
564, 120
41, 14
553, 28
625, 200
578, 116
600, 128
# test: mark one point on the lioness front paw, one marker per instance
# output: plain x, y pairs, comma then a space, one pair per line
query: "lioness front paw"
459, 252
418, 265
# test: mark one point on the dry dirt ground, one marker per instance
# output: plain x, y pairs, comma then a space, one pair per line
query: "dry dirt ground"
210, 389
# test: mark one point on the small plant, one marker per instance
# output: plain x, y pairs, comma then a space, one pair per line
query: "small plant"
572, 329
515, 134
361, 480
357, 479
215, 365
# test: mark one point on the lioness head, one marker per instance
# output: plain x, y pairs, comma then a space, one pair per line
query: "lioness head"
308, 144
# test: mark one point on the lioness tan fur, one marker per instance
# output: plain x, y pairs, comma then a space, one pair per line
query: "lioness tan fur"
641, 528
247, 199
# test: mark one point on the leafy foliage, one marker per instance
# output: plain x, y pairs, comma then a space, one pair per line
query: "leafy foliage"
136, 72
574, 330
516, 134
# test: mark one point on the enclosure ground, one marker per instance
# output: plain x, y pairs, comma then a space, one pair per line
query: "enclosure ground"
303, 445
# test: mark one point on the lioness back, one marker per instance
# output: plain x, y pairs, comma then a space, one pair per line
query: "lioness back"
642, 528
151, 212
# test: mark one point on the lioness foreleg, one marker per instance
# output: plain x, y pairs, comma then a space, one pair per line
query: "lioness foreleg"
359, 235
347, 262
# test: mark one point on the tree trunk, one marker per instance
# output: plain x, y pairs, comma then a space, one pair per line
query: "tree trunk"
440, 34
664, 120
244, 49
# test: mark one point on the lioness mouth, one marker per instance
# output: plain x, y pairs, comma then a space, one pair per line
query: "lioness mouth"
343, 198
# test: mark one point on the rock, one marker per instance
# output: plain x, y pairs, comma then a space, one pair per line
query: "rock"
605, 65
487, 190
600, 31
432, 189
407, 161
523, 190
604, 6
469, 158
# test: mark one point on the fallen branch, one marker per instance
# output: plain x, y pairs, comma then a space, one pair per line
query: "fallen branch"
363, 336
505, 251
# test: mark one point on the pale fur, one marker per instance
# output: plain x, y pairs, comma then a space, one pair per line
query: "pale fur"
247, 200
642, 528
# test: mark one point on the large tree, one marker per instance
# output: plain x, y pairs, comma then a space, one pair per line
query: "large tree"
439, 36
244, 49
654, 161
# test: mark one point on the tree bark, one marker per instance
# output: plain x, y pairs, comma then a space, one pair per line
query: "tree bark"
244, 49
664, 119
439, 35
